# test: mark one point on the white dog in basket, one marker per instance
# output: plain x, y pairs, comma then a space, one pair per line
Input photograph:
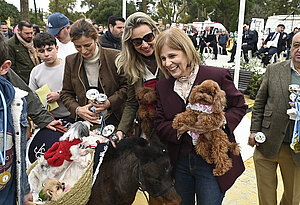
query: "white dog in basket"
71, 169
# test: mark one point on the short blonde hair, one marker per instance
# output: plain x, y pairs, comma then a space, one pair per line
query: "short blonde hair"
176, 39
129, 59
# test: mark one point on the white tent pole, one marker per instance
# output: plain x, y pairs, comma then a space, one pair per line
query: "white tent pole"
124, 9
239, 43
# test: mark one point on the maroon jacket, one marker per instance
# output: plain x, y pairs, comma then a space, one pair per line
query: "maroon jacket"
169, 104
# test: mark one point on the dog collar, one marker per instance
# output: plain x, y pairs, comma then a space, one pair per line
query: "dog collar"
200, 107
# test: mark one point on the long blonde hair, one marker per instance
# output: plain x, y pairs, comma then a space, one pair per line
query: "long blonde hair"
176, 39
129, 59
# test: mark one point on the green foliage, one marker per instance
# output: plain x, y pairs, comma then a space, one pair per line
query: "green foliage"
254, 84
223, 11
9, 10
254, 65
39, 18
265, 8
99, 12
66, 7
171, 10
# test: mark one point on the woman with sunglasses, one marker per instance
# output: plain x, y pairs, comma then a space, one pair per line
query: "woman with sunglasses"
137, 59
92, 67
180, 62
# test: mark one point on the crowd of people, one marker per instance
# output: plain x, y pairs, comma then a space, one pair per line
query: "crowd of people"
276, 42
133, 53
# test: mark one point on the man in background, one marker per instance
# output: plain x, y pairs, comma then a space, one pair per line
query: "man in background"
274, 43
289, 41
248, 41
59, 26
222, 39
208, 39
22, 53
7, 33
113, 36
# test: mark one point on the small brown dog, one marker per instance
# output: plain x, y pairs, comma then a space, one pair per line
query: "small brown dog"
204, 118
52, 190
147, 99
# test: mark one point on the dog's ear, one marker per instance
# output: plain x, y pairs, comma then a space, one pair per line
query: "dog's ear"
194, 94
219, 101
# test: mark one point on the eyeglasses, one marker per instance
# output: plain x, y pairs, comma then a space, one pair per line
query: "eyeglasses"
147, 38
61, 30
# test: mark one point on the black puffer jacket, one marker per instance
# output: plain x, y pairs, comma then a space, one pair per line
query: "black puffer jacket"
107, 40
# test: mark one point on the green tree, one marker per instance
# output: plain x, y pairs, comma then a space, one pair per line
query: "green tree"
32, 17
223, 11
65, 7
170, 10
266, 8
9, 10
100, 10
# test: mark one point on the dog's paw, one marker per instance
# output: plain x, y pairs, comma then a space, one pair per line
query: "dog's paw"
217, 172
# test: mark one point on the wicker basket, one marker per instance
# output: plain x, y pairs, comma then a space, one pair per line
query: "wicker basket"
79, 194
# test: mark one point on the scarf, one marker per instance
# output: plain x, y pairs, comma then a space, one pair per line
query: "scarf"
183, 85
31, 50
111, 36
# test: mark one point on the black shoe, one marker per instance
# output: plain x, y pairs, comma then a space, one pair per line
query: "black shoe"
257, 55
230, 61
215, 58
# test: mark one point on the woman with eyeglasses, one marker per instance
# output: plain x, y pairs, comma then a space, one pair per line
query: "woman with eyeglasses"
92, 67
137, 59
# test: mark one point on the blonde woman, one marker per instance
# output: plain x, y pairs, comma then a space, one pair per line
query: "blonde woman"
137, 59
178, 59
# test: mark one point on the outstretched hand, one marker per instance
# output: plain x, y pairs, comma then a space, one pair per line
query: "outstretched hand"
52, 124
120, 136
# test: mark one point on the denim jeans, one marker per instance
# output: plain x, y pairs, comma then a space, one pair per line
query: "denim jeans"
194, 176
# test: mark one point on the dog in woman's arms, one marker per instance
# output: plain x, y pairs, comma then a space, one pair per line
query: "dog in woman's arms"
203, 120
146, 111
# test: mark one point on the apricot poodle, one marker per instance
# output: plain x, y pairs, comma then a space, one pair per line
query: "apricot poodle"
203, 119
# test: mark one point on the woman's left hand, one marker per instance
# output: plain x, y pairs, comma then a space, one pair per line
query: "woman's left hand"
101, 106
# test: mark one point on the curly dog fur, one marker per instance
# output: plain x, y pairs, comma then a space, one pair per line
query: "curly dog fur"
213, 143
147, 98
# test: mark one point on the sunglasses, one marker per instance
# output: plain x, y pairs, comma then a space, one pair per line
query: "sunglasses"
61, 30
147, 38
